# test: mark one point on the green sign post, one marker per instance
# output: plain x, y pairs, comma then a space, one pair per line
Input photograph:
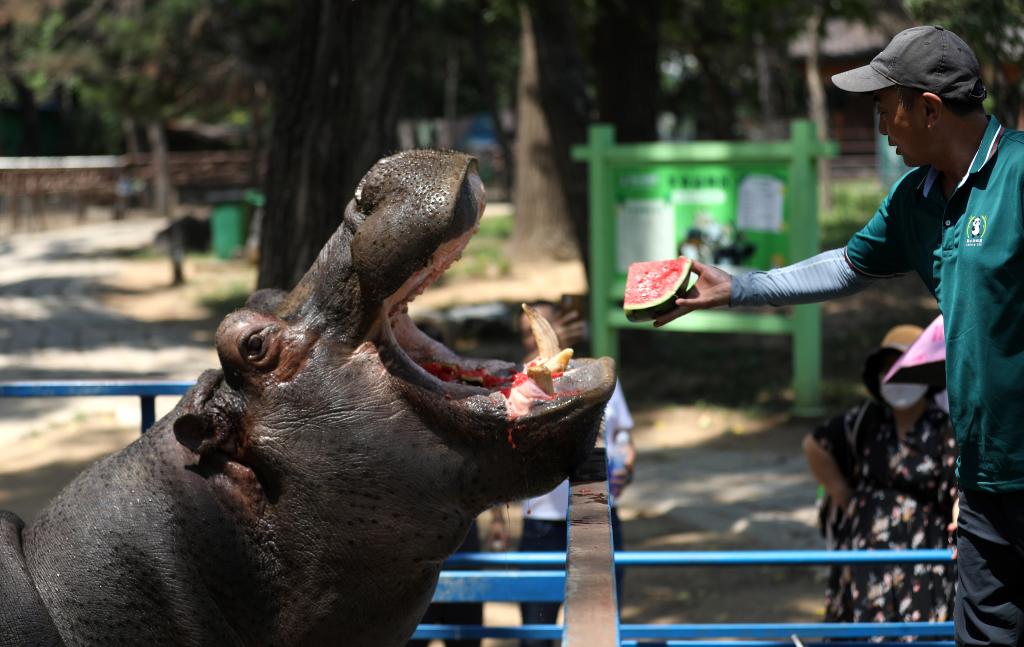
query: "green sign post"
749, 204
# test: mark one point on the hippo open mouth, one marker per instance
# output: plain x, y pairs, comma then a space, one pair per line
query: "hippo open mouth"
547, 385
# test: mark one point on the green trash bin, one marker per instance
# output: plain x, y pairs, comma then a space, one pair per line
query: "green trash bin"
229, 223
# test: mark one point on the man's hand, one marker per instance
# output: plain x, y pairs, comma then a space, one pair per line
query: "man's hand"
711, 291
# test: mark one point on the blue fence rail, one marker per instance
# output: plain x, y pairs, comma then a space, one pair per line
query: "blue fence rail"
512, 580
146, 391
514, 585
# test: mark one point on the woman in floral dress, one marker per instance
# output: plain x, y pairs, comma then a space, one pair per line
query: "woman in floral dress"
887, 467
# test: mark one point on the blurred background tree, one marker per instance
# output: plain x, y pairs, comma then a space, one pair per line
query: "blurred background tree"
322, 89
129, 66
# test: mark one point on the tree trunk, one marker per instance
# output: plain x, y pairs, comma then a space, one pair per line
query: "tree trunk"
552, 115
772, 127
485, 81
131, 136
718, 122
161, 168
628, 80
256, 139
451, 98
543, 227
335, 110
30, 139
818, 109
764, 78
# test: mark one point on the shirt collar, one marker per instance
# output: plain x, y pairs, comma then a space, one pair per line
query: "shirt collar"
986, 150
928, 181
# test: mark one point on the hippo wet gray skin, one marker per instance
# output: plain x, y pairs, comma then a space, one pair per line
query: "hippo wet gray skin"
308, 492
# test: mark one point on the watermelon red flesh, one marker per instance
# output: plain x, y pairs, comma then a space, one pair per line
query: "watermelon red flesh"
652, 287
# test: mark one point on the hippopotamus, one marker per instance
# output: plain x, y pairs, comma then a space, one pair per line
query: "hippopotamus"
309, 490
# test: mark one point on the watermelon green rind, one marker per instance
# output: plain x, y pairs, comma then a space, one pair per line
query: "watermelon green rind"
665, 302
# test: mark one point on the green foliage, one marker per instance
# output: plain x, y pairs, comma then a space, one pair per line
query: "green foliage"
707, 48
853, 204
484, 256
710, 52
213, 60
226, 299
496, 227
477, 41
148, 60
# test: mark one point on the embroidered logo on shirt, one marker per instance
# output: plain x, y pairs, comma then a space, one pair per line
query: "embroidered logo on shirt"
976, 226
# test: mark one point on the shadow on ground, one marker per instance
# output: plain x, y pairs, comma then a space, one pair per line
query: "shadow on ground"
27, 493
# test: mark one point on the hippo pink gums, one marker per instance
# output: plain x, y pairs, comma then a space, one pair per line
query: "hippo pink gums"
308, 492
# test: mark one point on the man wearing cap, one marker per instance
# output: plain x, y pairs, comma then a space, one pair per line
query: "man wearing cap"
958, 221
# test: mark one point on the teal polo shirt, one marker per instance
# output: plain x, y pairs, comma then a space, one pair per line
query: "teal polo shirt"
969, 251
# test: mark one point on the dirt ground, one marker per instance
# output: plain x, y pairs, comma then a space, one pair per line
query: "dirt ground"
718, 467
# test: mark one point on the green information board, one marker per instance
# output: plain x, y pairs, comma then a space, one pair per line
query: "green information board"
732, 216
736, 205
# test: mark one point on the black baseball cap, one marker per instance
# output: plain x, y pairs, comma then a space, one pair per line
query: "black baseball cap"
931, 59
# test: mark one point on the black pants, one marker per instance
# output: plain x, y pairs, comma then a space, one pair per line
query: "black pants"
540, 535
989, 606
456, 613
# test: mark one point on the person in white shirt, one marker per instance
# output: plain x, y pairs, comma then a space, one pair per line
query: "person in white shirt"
544, 517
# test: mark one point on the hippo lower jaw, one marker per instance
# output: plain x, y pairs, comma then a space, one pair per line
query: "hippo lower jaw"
501, 388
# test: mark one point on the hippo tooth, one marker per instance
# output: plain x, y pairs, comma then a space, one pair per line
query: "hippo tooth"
543, 334
560, 361
542, 376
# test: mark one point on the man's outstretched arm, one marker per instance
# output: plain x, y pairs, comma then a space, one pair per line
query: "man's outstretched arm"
826, 276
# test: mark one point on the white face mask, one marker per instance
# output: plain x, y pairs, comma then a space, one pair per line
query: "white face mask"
902, 396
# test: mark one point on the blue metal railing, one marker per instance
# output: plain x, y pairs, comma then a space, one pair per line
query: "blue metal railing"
715, 558
145, 390
692, 635
548, 586
516, 584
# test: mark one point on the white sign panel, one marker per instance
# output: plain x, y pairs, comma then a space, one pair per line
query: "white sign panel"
705, 197
759, 204
647, 231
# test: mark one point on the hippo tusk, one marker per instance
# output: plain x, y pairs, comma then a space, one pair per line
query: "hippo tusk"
543, 334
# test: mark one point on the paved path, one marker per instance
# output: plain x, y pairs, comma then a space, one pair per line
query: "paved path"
54, 325
53, 322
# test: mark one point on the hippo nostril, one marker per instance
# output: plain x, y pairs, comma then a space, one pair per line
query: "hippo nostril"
254, 346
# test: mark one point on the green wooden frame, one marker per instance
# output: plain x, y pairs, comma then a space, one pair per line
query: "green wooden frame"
799, 153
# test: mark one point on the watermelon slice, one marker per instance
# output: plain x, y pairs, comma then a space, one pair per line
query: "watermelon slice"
652, 287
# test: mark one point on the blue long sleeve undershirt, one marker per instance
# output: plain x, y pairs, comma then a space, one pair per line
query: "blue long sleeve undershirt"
819, 278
